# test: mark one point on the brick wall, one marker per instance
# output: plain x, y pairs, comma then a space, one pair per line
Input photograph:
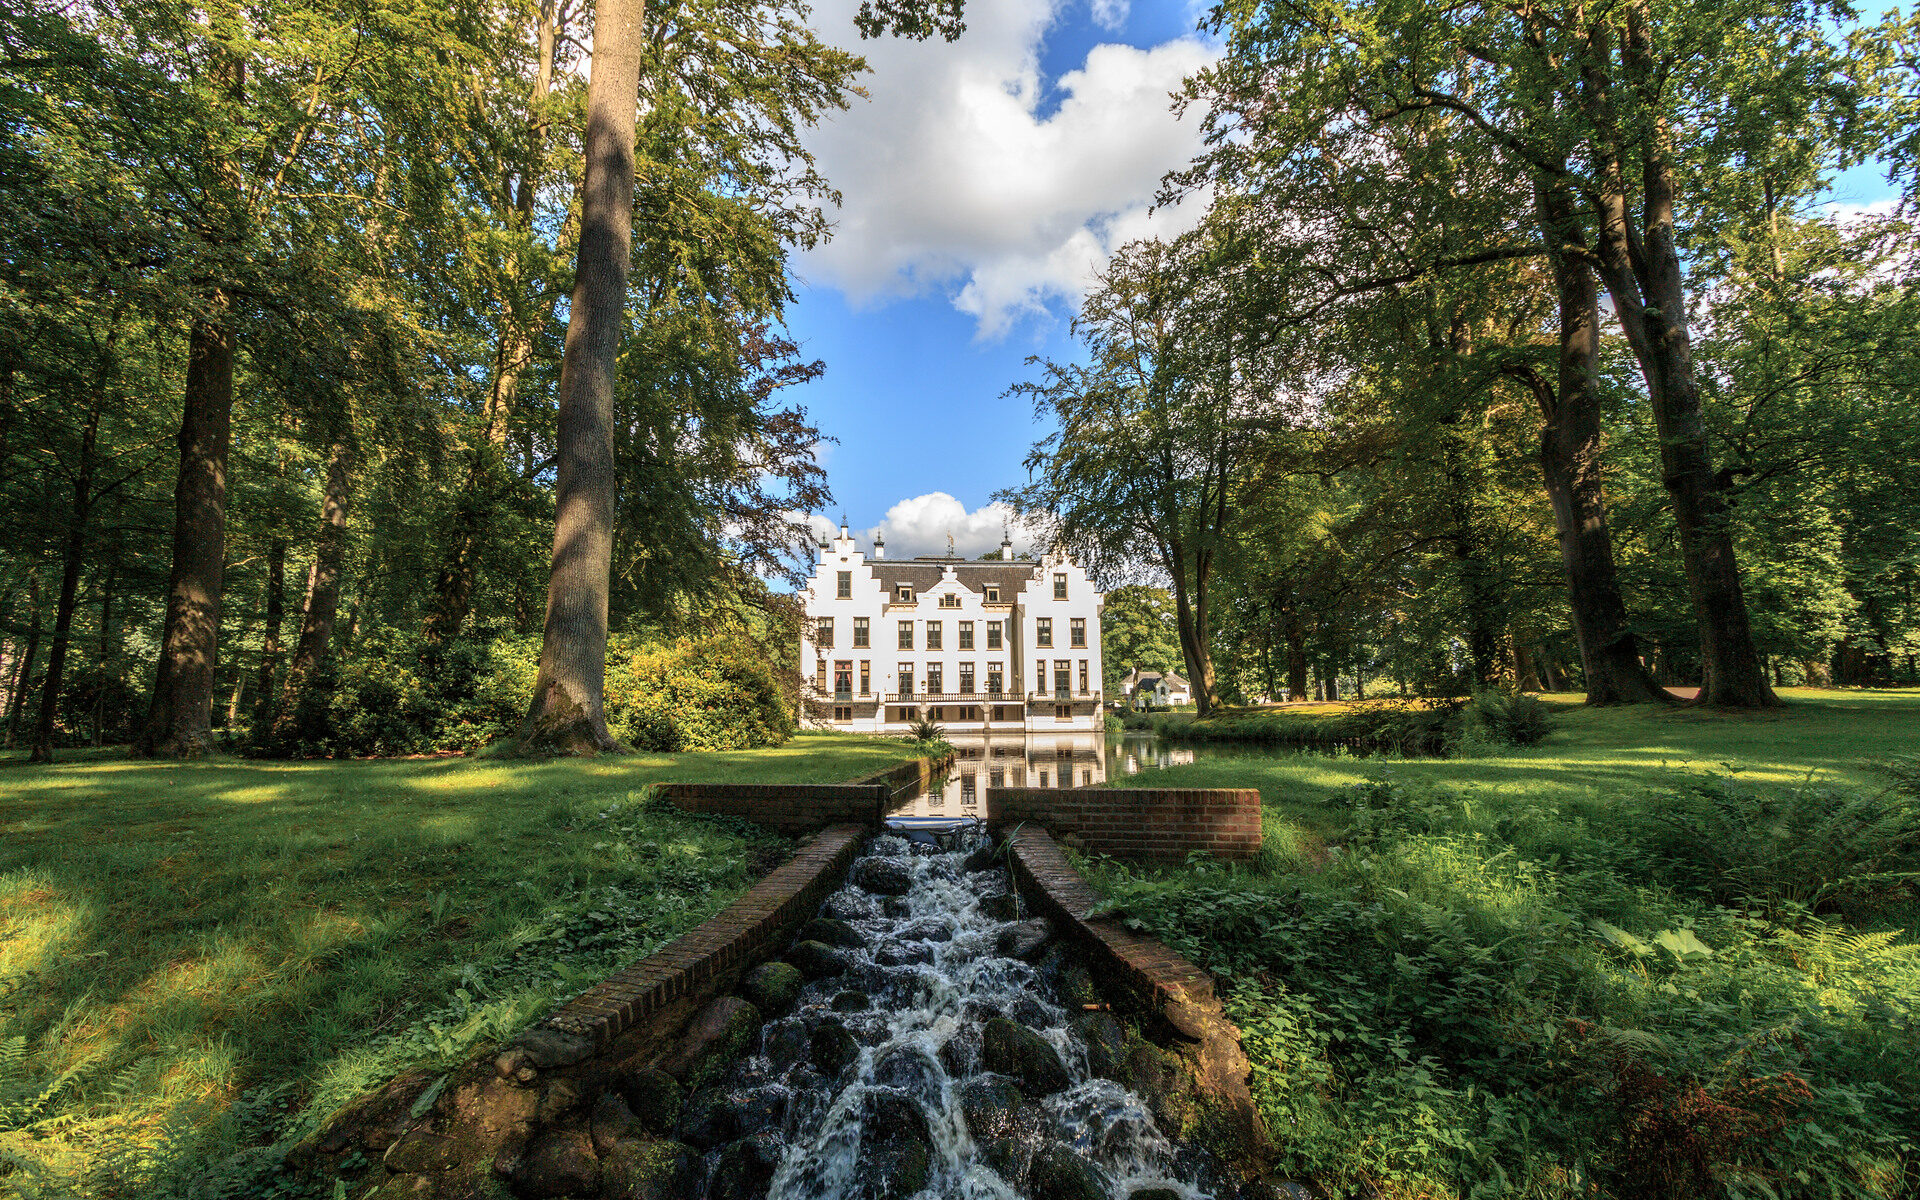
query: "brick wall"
752, 928
790, 808
1162, 824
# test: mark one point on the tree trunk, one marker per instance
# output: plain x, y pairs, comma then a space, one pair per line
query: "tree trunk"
566, 714
1296, 658
323, 583
180, 719
103, 656
23, 682
270, 648
1570, 467
76, 547
1648, 285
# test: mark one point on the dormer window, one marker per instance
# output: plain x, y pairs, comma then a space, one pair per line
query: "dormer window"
1060, 586
949, 601
993, 594
904, 593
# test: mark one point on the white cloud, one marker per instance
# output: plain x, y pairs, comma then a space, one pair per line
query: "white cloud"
1111, 14
921, 524
953, 180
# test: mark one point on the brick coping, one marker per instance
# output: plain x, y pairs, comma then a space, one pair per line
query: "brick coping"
1163, 980
733, 939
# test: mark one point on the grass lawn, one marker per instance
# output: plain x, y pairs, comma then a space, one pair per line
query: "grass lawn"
198, 957
1663, 953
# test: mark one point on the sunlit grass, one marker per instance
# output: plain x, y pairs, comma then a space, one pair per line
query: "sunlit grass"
187, 947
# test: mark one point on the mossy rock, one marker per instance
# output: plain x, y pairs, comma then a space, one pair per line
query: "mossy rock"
1060, 1174
1009, 1048
636, 1169
1106, 1042
816, 960
833, 932
772, 987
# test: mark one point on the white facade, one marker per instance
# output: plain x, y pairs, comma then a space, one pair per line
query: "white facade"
974, 646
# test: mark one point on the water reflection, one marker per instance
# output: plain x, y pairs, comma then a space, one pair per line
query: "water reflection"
1045, 760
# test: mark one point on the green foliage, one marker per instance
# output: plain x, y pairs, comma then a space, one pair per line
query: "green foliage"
711, 693
1460, 1007
1493, 719
1804, 850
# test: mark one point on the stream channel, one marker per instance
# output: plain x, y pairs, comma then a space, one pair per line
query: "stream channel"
937, 1050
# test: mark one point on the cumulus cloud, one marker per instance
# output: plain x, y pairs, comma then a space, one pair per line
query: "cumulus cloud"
955, 182
921, 524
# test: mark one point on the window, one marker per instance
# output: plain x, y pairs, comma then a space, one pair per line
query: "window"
906, 635
843, 679
1043, 779
820, 675
966, 635
1086, 778
866, 677
933, 679
843, 585
933, 636
993, 594
860, 633
1043, 631
994, 679
843, 712
993, 635
901, 716
966, 679
1062, 712
949, 601
823, 633
1000, 714
906, 679
997, 777
1040, 676
968, 784
904, 593
1062, 681
1077, 632
1083, 677
936, 713
1060, 585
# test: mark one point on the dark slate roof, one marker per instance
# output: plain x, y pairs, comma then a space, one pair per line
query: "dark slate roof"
925, 573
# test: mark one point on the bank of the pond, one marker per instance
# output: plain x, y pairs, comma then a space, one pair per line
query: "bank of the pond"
196, 957
1665, 953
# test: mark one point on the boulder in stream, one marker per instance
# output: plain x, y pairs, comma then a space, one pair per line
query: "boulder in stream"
832, 1048
984, 857
894, 1172
1024, 940
709, 1119
903, 954
816, 960
1060, 1174
851, 1001
712, 1041
833, 932
1001, 906
612, 1121
991, 1105
1009, 1048
883, 876
745, 1168
655, 1098
1106, 1042
772, 987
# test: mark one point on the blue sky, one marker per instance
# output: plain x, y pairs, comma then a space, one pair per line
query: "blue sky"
983, 183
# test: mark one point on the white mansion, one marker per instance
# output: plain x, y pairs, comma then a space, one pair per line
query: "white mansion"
973, 645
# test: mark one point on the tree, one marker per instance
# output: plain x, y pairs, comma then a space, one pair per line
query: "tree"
1137, 629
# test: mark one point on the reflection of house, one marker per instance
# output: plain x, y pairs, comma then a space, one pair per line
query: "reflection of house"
1012, 760
974, 646
1159, 688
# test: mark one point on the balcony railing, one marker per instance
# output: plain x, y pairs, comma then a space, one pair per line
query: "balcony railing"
1056, 695
952, 698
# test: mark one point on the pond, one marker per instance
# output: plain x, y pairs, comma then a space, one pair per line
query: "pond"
1057, 760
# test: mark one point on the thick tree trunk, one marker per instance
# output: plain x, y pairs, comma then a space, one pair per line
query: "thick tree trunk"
75, 553
180, 719
1644, 277
323, 582
1571, 469
270, 647
567, 714
1296, 658
23, 681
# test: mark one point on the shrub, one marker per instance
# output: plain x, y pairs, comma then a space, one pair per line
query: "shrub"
1492, 719
1798, 850
712, 693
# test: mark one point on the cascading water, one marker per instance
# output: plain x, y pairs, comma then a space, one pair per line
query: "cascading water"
877, 1082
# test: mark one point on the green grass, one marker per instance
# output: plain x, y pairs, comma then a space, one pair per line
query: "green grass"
198, 957
1664, 953
1593, 754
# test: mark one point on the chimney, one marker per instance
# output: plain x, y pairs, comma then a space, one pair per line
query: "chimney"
879, 545
1006, 544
